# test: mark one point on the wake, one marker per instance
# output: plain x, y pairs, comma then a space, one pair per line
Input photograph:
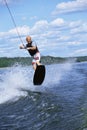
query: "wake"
16, 81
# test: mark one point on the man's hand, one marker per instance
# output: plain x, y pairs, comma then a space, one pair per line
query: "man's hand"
22, 46
28, 48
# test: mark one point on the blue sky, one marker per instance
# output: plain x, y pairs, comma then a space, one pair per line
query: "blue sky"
58, 27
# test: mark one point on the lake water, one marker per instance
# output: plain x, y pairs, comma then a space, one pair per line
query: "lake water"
60, 103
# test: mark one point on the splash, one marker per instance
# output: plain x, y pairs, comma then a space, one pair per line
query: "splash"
17, 80
56, 73
14, 82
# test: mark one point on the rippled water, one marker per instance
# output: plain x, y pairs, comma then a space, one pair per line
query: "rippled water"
60, 103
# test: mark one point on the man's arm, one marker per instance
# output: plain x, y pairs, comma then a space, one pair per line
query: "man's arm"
31, 48
28, 48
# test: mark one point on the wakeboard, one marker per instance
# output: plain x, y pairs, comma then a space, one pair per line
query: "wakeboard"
39, 75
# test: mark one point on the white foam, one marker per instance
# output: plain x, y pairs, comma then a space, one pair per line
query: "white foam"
14, 81
18, 79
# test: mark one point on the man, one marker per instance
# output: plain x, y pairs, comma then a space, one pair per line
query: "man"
33, 51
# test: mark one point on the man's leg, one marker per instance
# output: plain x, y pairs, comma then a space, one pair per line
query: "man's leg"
37, 58
34, 64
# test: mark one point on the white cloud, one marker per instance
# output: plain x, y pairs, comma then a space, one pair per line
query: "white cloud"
47, 30
82, 28
74, 43
24, 30
57, 22
52, 35
71, 6
39, 27
74, 24
80, 52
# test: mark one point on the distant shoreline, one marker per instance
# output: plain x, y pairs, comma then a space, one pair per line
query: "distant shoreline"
26, 61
